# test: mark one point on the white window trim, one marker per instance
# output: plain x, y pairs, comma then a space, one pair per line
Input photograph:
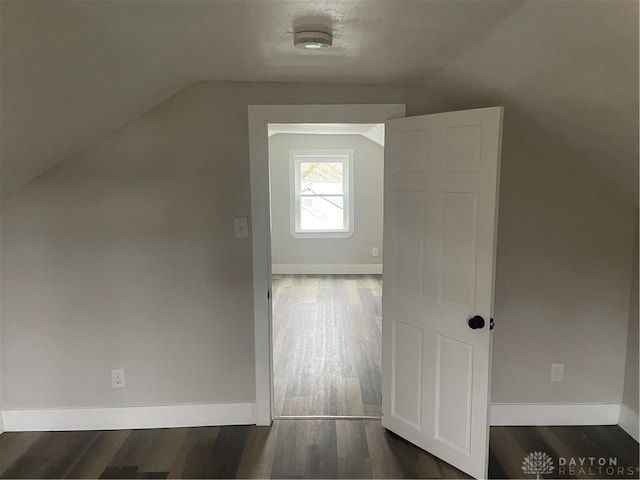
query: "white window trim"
298, 156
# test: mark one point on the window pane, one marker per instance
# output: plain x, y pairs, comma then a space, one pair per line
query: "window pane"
321, 178
321, 213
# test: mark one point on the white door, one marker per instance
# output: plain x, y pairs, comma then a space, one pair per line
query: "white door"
440, 214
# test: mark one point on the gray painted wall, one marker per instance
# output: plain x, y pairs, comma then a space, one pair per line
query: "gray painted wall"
124, 257
368, 183
630, 397
562, 279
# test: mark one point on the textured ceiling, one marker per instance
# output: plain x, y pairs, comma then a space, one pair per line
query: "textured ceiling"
75, 71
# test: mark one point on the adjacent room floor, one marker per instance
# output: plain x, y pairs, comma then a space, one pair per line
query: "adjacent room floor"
326, 345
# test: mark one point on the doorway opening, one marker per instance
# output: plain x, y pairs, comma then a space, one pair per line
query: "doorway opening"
260, 116
326, 203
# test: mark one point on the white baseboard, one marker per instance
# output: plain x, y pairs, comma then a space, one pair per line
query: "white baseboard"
120, 418
511, 414
630, 422
124, 418
364, 269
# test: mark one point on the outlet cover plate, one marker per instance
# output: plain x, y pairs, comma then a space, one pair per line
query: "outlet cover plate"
557, 372
241, 227
117, 378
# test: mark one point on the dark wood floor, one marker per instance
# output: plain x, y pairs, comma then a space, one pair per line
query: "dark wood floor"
296, 449
609, 444
327, 344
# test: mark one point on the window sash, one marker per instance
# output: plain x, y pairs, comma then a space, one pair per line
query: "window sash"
345, 157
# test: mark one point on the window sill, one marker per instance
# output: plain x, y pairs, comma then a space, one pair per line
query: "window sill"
326, 235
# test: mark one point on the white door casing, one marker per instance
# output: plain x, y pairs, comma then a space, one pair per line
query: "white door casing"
440, 218
260, 116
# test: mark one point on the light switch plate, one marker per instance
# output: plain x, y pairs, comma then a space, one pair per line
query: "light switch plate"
241, 227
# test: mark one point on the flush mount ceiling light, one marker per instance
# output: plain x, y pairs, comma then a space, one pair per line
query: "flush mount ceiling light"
312, 40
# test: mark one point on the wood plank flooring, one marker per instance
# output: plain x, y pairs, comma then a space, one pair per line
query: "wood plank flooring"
327, 345
297, 449
581, 446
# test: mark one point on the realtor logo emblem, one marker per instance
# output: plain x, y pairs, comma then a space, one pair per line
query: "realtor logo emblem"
537, 463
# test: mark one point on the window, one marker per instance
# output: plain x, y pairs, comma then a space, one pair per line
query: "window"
321, 193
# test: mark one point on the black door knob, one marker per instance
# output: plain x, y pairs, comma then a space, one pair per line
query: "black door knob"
476, 322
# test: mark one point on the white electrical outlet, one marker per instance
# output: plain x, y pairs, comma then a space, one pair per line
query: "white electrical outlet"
557, 372
374, 252
117, 378
241, 227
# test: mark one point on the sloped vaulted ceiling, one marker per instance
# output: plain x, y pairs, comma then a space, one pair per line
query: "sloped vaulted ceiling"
74, 71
